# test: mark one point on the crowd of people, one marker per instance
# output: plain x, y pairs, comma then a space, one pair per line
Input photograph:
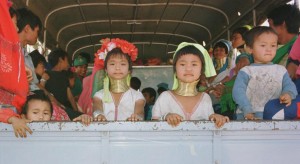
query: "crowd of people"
249, 77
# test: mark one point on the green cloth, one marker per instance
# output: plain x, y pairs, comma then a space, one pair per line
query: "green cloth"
77, 89
98, 81
284, 50
226, 101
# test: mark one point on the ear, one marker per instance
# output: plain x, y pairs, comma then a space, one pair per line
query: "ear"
27, 28
249, 49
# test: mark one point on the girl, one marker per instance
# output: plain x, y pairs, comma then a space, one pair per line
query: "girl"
184, 102
38, 107
117, 101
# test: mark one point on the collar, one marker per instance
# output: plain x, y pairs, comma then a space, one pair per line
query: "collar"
187, 89
118, 86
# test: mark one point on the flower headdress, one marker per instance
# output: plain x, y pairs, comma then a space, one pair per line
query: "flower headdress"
108, 45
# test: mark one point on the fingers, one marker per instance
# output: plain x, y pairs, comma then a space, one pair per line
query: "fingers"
134, 117
174, 120
100, 118
85, 119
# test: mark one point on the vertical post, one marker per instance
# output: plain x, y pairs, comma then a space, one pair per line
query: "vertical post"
217, 140
254, 15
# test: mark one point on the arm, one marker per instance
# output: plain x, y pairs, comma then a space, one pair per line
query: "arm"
138, 111
71, 99
288, 86
98, 110
239, 92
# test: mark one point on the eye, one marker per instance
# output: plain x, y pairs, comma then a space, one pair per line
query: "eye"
35, 112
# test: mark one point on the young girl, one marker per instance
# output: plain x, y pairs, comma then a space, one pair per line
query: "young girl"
184, 102
38, 107
262, 81
117, 101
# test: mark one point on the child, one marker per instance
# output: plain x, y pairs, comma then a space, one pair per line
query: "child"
221, 51
150, 95
262, 81
38, 107
184, 102
117, 101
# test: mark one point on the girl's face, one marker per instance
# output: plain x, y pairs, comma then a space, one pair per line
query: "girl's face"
219, 53
264, 48
237, 40
40, 69
38, 110
188, 68
117, 67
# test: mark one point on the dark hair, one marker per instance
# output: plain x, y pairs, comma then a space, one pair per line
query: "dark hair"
241, 30
37, 58
37, 95
135, 83
86, 55
27, 17
221, 45
54, 56
255, 32
151, 92
13, 12
161, 89
117, 52
189, 50
288, 14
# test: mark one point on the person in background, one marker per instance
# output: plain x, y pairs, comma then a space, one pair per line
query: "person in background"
117, 101
150, 96
238, 42
58, 85
29, 26
262, 81
184, 102
14, 81
285, 20
161, 87
38, 107
39, 63
80, 64
221, 51
135, 83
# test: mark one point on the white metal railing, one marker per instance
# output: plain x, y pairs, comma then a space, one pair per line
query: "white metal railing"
274, 142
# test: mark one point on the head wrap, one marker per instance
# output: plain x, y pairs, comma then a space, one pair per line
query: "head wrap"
209, 67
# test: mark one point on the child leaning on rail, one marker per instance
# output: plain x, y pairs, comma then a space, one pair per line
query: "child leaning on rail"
184, 102
262, 81
117, 101
38, 107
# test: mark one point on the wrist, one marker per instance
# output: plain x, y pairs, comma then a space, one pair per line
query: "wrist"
164, 117
96, 113
12, 119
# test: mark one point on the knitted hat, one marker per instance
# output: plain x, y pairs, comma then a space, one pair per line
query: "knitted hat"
80, 61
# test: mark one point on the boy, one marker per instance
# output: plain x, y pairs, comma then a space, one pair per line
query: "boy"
262, 81
150, 95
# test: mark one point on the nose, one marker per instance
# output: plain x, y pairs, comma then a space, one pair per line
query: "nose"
41, 117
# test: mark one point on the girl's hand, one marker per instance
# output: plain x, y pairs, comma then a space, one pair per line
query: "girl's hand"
134, 117
173, 119
219, 119
100, 117
285, 99
84, 119
20, 126
250, 116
